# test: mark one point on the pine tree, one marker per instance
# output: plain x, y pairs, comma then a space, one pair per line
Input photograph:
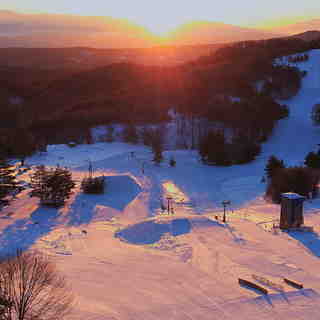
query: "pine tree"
312, 160
300, 180
91, 184
7, 179
204, 147
157, 145
244, 149
130, 134
213, 149
157, 152
37, 180
315, 114
173, 162
147, 136
52, 186
273, 165
110, 134
24, 144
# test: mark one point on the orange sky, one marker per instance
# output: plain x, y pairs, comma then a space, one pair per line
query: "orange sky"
165, 15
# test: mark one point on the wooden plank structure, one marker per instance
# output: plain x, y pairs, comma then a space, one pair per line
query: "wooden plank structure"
267, 282
252, 285
291, 210
293, 283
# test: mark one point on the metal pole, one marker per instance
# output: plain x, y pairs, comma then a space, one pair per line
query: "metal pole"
225, 203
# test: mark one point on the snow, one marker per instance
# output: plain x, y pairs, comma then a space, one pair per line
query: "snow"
79, 155
127, 259
292, 196
235, 99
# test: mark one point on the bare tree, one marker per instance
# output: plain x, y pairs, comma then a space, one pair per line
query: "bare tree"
32, 289
5, 305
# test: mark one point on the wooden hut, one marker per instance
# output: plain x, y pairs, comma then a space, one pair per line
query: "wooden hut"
291, 210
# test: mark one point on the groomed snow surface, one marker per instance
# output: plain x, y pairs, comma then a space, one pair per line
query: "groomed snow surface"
127, 258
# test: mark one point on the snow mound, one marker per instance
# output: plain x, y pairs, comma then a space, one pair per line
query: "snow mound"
120, 192
152, 231
79, 155
149, 232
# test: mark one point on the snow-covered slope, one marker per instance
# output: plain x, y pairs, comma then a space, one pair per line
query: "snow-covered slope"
136, 262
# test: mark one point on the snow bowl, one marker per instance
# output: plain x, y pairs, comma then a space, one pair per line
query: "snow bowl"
149, 232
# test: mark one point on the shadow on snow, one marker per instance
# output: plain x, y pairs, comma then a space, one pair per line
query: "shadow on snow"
23, 233
120, 191
310, 240
150, 232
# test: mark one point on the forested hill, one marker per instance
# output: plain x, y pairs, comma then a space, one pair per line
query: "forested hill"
220, 86
127, 91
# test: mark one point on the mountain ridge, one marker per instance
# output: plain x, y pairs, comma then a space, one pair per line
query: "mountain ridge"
56, 30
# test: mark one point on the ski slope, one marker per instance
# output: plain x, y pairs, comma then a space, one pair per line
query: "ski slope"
127, 259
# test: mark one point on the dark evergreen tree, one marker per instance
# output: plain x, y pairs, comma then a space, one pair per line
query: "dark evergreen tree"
315, 114
284, 111
52, 186
38, 182
156, 142
7, 179
110, 134
172, 162
244, 150
273, 165
157, 152
91, 184
88, 136
204, 148
312, 160
147, 136
213, 149
130, 134
300, 180
24, 144
251, 151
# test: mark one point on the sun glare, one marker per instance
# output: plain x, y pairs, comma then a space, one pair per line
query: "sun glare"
161, 24
160, 29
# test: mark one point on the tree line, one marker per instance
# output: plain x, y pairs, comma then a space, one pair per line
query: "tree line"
303, 180
67, 107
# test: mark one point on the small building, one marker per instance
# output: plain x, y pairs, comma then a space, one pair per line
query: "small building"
291, 210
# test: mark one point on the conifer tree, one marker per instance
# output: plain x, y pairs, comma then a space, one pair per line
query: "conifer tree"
24, 144
52, 186
157, 152
273, 165
110, 134
315, 114
213, 149
300, 180
173, 162
147, 135
130, 134
91, 184
312, 160
7, 179
156, 140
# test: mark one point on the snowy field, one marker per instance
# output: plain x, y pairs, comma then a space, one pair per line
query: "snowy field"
127, 259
